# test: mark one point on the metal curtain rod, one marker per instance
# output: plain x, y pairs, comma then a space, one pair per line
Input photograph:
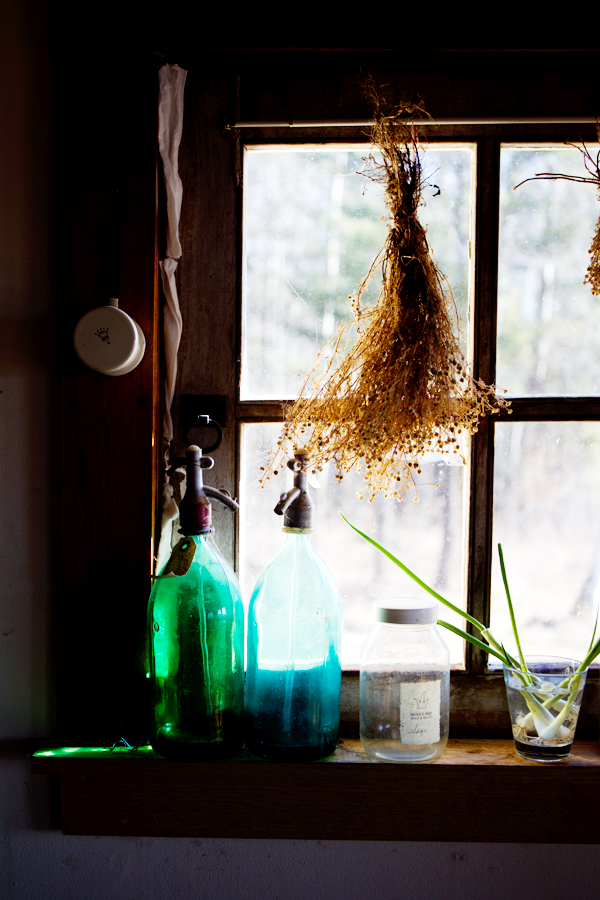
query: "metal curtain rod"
466, 120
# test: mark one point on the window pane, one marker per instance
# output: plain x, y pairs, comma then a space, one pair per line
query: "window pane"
548, 320
312, 228
428, 536
547, 518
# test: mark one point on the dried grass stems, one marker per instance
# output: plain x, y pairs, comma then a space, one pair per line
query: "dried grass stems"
592, 165
403, 388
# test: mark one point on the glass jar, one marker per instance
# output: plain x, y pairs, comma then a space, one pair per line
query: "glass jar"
404, 683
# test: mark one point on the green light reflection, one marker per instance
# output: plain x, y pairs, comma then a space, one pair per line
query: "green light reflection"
82, 752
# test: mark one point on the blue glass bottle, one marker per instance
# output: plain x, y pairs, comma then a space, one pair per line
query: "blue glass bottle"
294, 629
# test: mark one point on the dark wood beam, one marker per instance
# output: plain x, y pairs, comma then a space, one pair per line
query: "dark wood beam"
477, 791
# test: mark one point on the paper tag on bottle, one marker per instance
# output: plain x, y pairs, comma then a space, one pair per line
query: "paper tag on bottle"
182, 556
420, 712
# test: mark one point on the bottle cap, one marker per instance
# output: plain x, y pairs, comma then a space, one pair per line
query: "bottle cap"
414, 611
296, 505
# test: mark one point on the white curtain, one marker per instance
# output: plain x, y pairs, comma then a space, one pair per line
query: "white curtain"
170, 126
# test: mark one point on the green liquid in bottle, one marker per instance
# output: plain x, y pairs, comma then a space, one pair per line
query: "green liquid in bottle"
196, 628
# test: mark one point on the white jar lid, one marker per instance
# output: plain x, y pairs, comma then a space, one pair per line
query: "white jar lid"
413, 611
107, 340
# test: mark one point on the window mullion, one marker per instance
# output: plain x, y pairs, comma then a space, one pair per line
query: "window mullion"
483, 331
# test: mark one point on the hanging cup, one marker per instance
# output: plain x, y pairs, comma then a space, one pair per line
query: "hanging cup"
107, 340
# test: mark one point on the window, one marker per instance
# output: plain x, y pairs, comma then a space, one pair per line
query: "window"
516, 261
312, 226
545, 489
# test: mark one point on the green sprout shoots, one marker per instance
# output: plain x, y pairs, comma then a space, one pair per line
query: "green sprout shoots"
510, 609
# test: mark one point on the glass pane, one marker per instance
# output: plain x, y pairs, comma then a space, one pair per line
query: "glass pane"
312, 228
547, 317
547, 518
427, 536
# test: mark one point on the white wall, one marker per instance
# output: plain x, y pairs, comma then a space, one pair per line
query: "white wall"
36, 860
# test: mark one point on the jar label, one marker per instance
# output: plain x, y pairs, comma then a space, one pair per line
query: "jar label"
420, 712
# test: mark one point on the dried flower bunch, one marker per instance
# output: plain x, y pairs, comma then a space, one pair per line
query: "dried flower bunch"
403, 388
592, 166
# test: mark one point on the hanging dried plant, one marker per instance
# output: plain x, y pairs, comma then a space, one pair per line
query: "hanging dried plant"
403, 388
592, 166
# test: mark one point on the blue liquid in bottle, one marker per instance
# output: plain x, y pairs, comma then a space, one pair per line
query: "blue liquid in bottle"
293, 669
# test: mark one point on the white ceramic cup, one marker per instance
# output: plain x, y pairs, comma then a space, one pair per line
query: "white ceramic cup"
107, 340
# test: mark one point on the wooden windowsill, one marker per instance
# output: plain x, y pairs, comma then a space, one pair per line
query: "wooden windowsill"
479, 790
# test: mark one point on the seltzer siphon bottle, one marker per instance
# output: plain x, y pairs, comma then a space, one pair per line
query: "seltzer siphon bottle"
294, 628
196, 635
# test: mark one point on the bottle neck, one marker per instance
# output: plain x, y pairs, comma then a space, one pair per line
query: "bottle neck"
195, 511
297, 535
196, 539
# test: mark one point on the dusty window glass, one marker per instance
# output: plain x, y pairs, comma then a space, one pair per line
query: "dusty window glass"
548, 320
313, 225
547, 518
428, 535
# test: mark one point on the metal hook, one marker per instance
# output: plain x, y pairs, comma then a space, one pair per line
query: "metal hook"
206, 422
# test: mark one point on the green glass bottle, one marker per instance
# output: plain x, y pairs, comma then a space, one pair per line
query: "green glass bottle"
196, 635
